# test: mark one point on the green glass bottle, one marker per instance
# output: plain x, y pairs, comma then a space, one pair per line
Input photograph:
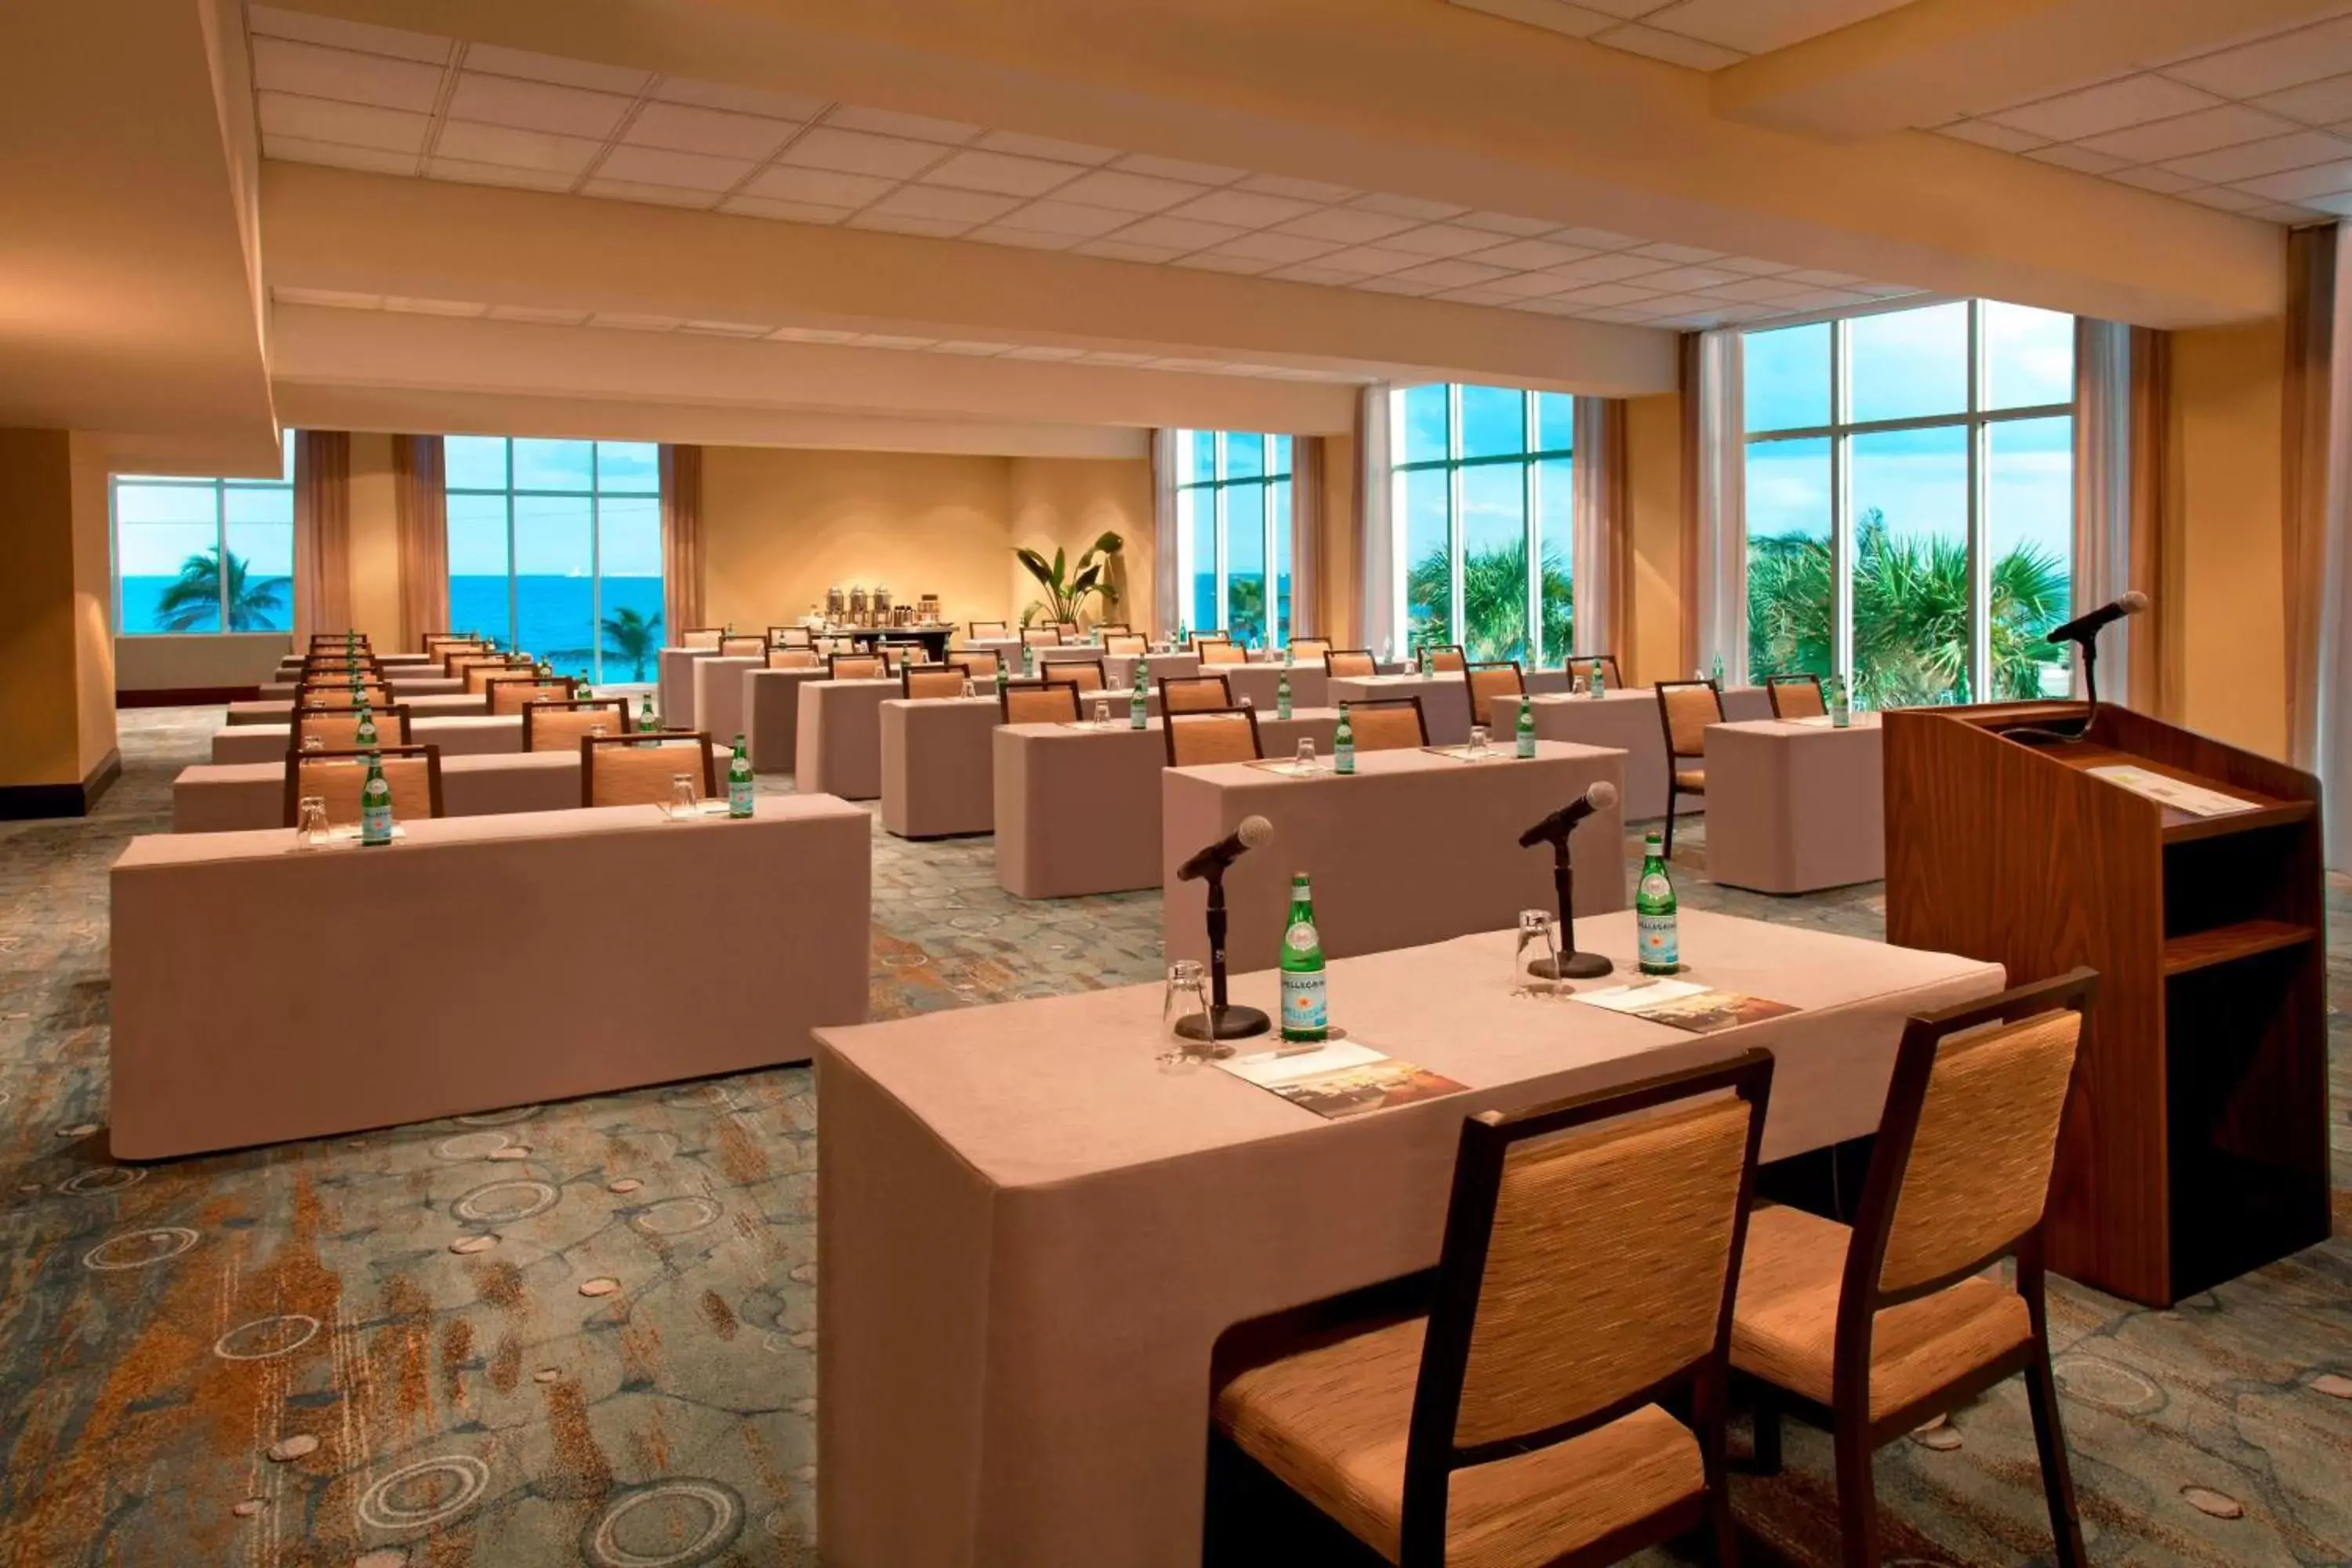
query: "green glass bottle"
1526, 729
1139, 709
363, 735
740, 786
1716, 671
1600, 682
1343, 744
1003, 677
646, 713
1282, 691
1305, 1016
1653, 910
376, 804
1840, 705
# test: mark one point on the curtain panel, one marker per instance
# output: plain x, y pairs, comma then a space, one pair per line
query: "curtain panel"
2330, 701
1601, 557
1719, 523
2306, 493
681, 537
322, 533
2103, 489
1372, 519
1166, 535
1306, 495
420, 506
2153, 683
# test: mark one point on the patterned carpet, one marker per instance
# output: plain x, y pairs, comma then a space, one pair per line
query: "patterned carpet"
583, 1334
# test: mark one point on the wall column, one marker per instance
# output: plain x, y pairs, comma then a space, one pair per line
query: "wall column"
58, 749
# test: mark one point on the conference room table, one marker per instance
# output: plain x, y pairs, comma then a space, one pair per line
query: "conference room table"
718, 681
1119, 668
1445, 699
430, 683
290, 667
1077, 808
938, 772
1626, 719
771, 701
674, 684
464, 735
228, 797
280, 710
1032, 1233
1798, 805
839, 751
308, 1049
1412, 848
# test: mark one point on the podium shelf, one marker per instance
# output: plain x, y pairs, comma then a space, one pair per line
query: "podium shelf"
2225, 944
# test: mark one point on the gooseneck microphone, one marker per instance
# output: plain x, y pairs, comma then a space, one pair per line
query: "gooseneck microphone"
1600, 797
2084, 628
1253, 832
2082, 631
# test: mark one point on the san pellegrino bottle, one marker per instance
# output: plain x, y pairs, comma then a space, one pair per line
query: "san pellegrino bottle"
1282, 692
1600, 682
363, 735
1343, 744
1653, 910
1840, 705
740, 787
1289, 655
1527, 728
1304, 1013
646, 713
1716, 670
1139, 709
376, 804
1004, 674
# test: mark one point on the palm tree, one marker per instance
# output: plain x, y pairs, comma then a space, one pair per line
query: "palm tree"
195, 595
632, 637
1493, 601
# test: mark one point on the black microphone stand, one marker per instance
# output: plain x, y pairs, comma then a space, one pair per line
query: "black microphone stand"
2037, 736
1224, 1021
1570, 964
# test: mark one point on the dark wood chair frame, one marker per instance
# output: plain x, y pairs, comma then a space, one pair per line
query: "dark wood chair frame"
1005, 700
1028, 632
1110, 628
425, 640
1429, 651
1420, 719
1060, 668
397, 712
686, 631
701, 739
1332, 653
1225, 690
1856, 1437
619, 705
1169, 722
1772, 684
375, 687
296, 757
833, 665
1585, 661
972, 630
906, 673
790, 636
1470, 686
490, 698
1666, 727
1431, 1454
762, 638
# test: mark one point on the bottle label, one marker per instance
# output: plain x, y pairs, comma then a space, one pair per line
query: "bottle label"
1301, 937
739, 797
1304, 1013
1661, 949
375, 823
1343, 757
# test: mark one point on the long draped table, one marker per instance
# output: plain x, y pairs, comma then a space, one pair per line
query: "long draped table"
1627, 718
441, 705
772, 716
1031, 1236
229, 797
1799, 805
467, 734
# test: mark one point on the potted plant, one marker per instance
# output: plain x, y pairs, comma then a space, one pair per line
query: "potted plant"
1070, 588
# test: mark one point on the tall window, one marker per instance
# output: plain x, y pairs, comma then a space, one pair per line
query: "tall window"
1485, 506
555, 550
1232, 533
1911, 501
204, 555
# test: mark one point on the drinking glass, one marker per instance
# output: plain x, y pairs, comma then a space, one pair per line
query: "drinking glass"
967, 687
1477, 741
313, 744
1305, 764
1187, 997
1102, 714
1536, 945
597, 731
311, 830
685, 800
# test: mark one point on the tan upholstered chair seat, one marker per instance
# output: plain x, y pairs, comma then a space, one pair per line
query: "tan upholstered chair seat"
1692, 779
1331, 1423
1786, 1326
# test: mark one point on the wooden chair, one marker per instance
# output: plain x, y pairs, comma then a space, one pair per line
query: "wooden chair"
1310, 650
1086, 674
1110, 628
1795, 696
560, 726
370, 694
1580, 668
978, 629
1125, 642
1222, 650
1042, 636
459, 666
636, 770
338, 728
1388, 724
1444, 659
1039, 702
1488, 682
1583, 1292
794, 658
790, 636
479, 676
1350, 662
438, 646
1194, 693
322, 641
1070, 631
1685, 707
509, 694
1874, 1330
1212, 735
335, 777
930, 681
856, 666
702, 637
979, 665
743, 645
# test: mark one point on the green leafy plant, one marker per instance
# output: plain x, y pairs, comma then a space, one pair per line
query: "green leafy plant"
195, 594
632, 637
1494, 602
1069, 589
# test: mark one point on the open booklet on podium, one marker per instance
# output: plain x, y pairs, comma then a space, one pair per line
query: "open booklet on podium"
2188, 874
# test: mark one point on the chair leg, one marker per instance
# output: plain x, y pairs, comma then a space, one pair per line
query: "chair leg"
1767, 1431
1714, 1399
2057, 1479
1670, 816
1857, 1496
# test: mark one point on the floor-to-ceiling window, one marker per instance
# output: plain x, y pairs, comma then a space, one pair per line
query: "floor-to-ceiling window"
204, 554
1484, 507
555, 549
1910, 501
1232, 534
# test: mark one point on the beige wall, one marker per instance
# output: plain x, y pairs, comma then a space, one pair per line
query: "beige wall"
2226, 472
1068, 503
1650, 640
93, 603
57, 713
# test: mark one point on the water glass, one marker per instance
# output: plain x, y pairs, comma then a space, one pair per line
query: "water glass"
1187, 997
1102, 714
1477, 741
967, 687
597, 731
313, 744
1305, 764
685, 800
1534, 957
310, 829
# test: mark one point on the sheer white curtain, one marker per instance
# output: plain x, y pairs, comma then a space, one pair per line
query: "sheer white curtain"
1600, 482
1373, 521
2103, 479
1720, 614
2332, 696
1167, 595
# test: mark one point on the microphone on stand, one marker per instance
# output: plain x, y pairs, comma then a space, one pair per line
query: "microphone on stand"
2084, 631
1554, 830
1224, 1022
2085, 628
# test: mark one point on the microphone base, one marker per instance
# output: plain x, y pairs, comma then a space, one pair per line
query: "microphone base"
1574, 966
1224, 1023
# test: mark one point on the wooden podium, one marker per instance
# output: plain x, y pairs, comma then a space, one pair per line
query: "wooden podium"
2197, 1145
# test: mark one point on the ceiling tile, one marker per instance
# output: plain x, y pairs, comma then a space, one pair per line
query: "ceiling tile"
352, 124
1068, 219
2080, 159
2325, 179
1686, 254
1364, 261
928, 202
1128, 191
969, 348
2341, 206
1000, 173
2288, 59
1822, 300
628, 321
2223, 197
1318, 191
1413, 207
1451, 274
1754, 28
1045, 352
271, 22
1887, 290
1985, 133
687, 128
1627, 10
854, 153
539, 316
1023, 238
1608, 294
1123, 250
1023, 145
335, 155
2321, 102
1814, 277
345, 77
1527, 254
1606, 268
891, 122
899, 222
1684, 280
536, 106
1505, 222
1475, 295
789, 211
1393, 286
1277, 247
1220, 261
1751, 265
1310, 273
1671, 48
1754, 289
1523, 284
2270, 156
1552, 307
1178, 234
1553, 15
1115, 356
794, 106
1346, 226
2286, 214
549, 69
725, 329
1178, 169
472, 173
824, 187
2112, 106
2163, 181
892, 341
1438, 239
2203, 132
466, 142
659, 166
1243, 209
460, 308
1596, 238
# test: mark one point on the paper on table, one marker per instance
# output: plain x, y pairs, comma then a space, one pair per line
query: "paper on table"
1340, 1078
2177, 794
1684, 1005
